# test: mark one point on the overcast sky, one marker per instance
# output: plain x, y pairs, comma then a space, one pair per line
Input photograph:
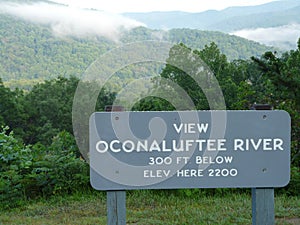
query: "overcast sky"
120, 6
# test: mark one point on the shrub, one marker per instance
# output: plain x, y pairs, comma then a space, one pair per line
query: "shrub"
15, 162
293, 188
34, 171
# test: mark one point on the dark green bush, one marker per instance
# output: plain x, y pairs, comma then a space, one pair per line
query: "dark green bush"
293, 188
34, 171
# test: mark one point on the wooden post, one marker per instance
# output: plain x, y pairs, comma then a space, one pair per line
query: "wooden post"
116, 200
116, 207
263, 206
263, 212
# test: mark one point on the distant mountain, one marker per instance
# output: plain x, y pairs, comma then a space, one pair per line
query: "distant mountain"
234, 18
274, 14
259, 20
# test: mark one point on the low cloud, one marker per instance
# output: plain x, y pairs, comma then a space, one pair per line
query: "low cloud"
284, 37
68, 21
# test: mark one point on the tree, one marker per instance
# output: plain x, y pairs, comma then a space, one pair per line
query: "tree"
217, 72
49, 108
281, 79
11, 109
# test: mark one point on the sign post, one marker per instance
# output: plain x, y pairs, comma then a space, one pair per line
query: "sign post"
116, 207
116, 200
263, 205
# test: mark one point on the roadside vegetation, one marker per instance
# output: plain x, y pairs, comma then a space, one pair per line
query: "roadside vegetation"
45, 180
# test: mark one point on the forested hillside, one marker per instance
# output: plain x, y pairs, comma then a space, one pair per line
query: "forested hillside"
30, 52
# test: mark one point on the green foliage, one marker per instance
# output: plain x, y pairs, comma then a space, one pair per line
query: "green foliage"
15, 160
11, 108
33, 171
292, 189
294, 185
49, 108
214, 61
64, 143
280, 77
31, 52
153, 104
232, 46
41, 113
50, 163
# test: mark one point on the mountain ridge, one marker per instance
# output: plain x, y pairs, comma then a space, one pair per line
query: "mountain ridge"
203, 20
229, 20
32, 51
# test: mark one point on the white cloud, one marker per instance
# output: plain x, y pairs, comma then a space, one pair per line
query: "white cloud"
284, 37
69, 21
120, 6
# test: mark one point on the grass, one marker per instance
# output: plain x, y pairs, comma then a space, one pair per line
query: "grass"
149, 207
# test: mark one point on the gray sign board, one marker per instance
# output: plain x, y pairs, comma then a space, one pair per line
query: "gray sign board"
189, 149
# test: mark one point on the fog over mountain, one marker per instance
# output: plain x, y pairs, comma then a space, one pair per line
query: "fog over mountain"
284, 37
68, 21
276, 23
